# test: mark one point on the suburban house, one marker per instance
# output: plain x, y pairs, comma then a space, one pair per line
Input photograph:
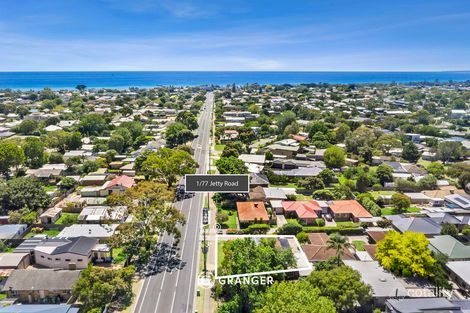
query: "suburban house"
383, 283
448, 245
51, 215
97, 231
425, 225
258, 180
40, 285
12, 231
119, 184
65, 253
14, 260
305, 211
283, 150
252, 212
101, 214
419, 305
459, 273
345, 210
317, 250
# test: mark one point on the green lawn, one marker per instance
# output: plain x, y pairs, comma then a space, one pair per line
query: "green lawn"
48, 232
292, 221
68, 218
219, 147
382, 193
391, 210
347, 224
359, 245
119, 256
3, 296
289, 185
50, 188
220, 253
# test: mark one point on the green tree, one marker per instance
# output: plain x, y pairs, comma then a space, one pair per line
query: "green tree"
410, 152
243, 256
99, 286
450, 151
294, 297
80, 87
334, 157
449, 229
92, 124
327, 176
400, 202
73, 141
361, 137
285, 119
289, 229
89, 167
439, 276
22, 216
437, 169
34, 152
67, 182
150, 205
168, 165
343, 286
177, 134
231, 165
311, 183
405, 254
27, 127
187, 118
11, 155
428, 182
338, 243
384, 173
56, 158
23, 192
116, 142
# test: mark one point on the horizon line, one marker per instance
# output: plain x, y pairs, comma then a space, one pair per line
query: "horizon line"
238, 71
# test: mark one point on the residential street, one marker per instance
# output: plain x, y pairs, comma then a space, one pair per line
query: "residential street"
172, 288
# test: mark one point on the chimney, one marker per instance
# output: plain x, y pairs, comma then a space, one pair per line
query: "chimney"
256, 205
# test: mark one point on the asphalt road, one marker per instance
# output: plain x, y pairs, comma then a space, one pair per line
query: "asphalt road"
171, 284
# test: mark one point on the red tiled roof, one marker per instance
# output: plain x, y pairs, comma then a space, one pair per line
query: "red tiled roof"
319, 239
303, 209
250, 211
124, 181
317, 253
298, 137
349, 206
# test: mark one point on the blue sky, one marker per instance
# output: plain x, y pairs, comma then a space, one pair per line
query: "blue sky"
317, 35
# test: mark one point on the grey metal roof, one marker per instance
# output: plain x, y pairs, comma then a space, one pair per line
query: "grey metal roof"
425, 225
41, 279
78, 245
39, 308
418, 305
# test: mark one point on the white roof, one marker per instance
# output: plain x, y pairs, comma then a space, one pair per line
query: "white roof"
460, 268
88, 230
383, 283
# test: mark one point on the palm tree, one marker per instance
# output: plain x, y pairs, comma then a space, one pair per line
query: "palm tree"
338, 243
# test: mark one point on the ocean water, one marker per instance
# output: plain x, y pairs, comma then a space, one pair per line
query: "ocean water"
121, 80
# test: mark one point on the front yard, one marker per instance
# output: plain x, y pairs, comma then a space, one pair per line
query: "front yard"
48, 232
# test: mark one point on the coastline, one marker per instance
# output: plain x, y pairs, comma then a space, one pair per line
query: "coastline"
149, 79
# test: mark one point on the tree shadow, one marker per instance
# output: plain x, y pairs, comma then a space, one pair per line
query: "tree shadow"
165, 258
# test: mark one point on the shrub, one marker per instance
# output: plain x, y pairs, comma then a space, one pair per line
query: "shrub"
320, 222
302, 237
222, 217
290, 229
257, 229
